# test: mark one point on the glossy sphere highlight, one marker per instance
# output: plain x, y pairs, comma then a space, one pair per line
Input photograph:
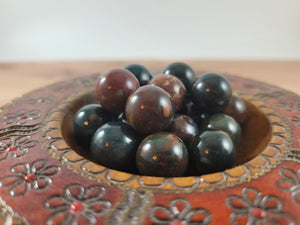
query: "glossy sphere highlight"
183, 127
141, 73
162, 154
113, 88
173, 86
225, 123
212, 151
237, 109
87, 120
114, 146
211, 92
149, 109
183, 72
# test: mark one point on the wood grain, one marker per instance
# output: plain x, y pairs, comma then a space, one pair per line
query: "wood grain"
19, 78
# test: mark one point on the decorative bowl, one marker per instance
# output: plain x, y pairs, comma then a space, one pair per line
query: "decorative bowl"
45, 178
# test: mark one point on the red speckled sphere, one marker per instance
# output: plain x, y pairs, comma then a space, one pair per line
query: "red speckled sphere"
162, 154
113, 88
173, 86
149, 109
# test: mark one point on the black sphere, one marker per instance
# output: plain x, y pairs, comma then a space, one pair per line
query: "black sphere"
212, 151
225, 123
140, 72
211, 93
183, 72
87, 120
114, 146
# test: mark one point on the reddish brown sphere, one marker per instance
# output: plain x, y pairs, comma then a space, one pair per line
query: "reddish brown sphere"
162, 154
173, 86
183, 127
113, 88
237, 109
149, 109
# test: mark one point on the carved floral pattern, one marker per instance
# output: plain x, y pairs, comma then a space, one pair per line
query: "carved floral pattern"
78, 205
296, 120
24, 177
174, 215
290, 105
21, 117
16, 147
40, 100
254, 208
290, 182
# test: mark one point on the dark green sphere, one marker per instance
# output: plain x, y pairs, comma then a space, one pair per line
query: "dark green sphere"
140, 72
114, 146
225, 123
162, 154
87, 120
212, 151
183, 72
211, 93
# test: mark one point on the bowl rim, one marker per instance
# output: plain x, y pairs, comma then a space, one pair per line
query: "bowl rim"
268, 159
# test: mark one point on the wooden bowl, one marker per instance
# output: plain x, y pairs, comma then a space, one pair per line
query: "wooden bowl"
45, 178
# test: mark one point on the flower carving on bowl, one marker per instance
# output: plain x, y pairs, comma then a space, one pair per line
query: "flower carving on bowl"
16, 147
24, 177
289, 105
40, 101
254, 208
78, 205
176, 215
21, 117
296, 120
290, 182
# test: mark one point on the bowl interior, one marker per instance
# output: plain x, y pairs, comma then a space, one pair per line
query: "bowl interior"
256, 131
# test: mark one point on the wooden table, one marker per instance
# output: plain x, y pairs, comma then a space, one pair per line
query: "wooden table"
19, 78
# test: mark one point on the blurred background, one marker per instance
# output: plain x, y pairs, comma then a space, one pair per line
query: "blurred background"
35, 30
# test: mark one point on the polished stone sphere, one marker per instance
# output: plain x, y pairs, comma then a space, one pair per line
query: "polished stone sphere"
237, 109
211, 93
183, 72
173, 86
162, 154
113, 88
212, 151
183, 127
149, 109
114, 146
87, 120
225, 123
142, 73
197, 115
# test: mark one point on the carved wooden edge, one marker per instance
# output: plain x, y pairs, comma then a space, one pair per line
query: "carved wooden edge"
276, 151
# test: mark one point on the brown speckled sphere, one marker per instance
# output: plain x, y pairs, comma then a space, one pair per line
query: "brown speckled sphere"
149, 109
173, 86
113, 88
162, 154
